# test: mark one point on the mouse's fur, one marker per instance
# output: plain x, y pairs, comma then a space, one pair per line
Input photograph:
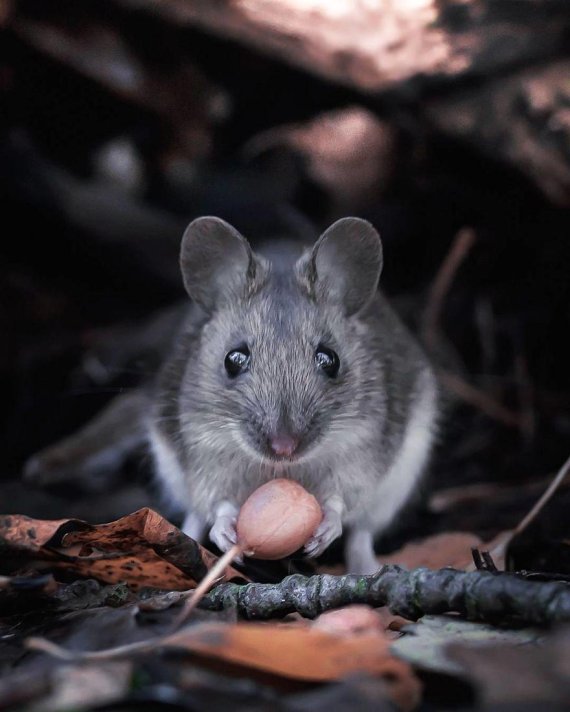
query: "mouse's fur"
364, 436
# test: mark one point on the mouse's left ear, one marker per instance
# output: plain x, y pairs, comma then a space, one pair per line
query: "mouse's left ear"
345, 264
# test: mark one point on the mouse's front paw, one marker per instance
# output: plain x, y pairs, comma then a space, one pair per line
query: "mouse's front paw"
327, 531
223, 533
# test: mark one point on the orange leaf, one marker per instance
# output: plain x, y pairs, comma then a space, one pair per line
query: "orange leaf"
27, 533
140, 549
301, 653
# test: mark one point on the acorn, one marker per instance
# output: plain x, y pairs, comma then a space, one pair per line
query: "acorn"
277, 519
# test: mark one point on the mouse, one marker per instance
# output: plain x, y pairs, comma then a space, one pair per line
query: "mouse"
290, 362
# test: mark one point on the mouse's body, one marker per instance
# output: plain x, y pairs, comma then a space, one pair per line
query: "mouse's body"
292, 365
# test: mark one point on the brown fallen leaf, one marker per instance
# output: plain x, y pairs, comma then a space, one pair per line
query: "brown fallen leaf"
141, 549
26, 533
435, 552
294, 652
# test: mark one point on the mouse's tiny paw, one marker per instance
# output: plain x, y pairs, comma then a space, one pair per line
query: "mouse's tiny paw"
327, 531
223, 533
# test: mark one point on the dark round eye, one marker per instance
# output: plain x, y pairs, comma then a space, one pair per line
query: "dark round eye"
237, 361
327, 360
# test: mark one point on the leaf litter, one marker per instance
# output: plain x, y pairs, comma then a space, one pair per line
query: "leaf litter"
104, 599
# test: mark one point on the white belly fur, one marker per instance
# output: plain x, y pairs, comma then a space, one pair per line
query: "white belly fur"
168, 468
407, 468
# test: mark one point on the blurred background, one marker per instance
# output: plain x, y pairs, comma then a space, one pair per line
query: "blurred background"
446, 124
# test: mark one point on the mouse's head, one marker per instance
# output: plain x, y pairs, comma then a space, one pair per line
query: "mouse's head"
283, 361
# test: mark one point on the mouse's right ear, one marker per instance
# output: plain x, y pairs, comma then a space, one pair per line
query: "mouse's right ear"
216, 261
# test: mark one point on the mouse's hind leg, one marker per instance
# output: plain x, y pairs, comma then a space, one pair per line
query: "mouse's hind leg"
359, 552
97, 450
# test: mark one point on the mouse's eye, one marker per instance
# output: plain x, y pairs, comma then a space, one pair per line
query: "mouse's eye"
327, 360
237, 361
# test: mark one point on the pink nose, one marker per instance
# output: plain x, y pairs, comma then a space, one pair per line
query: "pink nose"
284, 445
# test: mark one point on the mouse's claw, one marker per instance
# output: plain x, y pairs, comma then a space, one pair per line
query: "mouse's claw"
223, 533
327, 531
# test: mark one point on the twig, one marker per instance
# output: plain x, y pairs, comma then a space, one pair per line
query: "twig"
477, 559
554, 485
525, 395
483, 561
478, 493
489, 563
498, 551
206, 583
194, 598
542, 575
460, 248
484, 322
479, 595
57, 651
480, 400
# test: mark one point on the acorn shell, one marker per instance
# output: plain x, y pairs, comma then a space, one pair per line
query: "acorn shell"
277, 519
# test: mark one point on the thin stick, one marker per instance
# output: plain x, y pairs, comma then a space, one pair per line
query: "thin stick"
196, 595
206, 583
480, 400
488, 560
462, 244
525, 395
551, 489
498, 551
460, 248
474, 494
45, 646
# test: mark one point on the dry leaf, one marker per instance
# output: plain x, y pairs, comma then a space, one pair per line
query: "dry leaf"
445, 549
301, 653
435, 552
426, 642
518, 675
275, 653
141, 549
27, 533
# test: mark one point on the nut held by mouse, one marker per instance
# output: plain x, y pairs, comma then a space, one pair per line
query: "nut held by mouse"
276, 519
291, 364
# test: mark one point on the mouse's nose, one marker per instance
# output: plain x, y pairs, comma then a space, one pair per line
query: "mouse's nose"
283, 444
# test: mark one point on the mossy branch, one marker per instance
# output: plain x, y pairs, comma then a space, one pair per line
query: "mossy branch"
477, 595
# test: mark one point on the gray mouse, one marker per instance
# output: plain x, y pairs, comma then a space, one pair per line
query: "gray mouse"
291, 363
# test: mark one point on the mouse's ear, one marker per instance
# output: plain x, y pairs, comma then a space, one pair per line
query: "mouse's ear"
216, 261
346, 263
